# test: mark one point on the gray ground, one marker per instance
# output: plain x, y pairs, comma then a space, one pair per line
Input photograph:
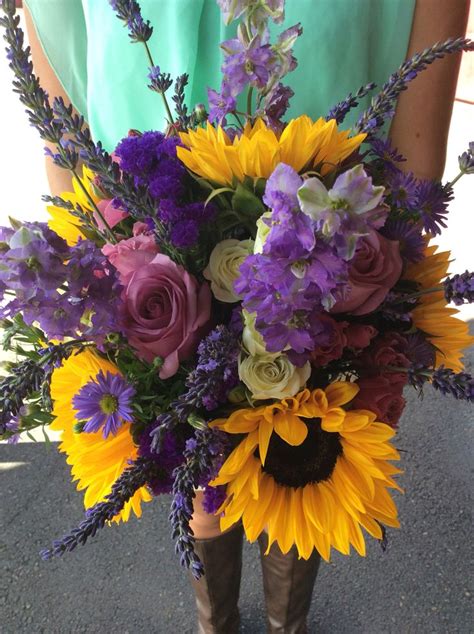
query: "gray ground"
128, 579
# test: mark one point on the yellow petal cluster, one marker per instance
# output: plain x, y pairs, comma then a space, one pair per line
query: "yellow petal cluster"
210, 153
62, 221
433, 316
96, 462
323, 515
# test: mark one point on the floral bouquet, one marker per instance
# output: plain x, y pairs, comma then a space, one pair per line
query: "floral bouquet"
235, 304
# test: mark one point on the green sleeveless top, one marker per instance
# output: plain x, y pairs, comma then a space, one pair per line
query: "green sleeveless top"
345, 44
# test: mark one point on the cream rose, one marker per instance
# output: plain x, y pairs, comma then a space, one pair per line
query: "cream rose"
252, 339
263, 229
223, 267
272, 377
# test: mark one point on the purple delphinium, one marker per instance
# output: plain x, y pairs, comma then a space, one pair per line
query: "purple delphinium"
220, 105
105, 402
459, 289
247, 64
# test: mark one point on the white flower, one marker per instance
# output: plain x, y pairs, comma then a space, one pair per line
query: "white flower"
251, 338
223, 267
263, 229
272, 377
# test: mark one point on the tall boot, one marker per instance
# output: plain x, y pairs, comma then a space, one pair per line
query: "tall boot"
217, 592
288, 584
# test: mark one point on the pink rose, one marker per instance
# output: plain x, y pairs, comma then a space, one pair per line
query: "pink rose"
129, 255
113, 215
359, 335
382, 397
375, 269
166, 312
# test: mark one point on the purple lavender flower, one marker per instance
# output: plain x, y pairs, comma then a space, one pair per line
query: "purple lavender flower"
104, 402
459, 289
345, 212
129, 12
466, 160
460, 384
432, 205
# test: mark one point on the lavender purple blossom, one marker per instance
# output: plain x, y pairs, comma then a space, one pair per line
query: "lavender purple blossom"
129, 12
466, 160
459, 289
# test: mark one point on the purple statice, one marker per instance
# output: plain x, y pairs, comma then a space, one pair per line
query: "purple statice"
247, 64
297, 275
403, 190
220, 104
166, 460
347, 211
459, 289
409, 235
432, 199
466, 160
105, 402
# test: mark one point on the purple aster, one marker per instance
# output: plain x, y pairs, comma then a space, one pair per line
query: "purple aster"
104, 402
403, 190
459, 289
409, 236
432, 200
220, 104
383, 150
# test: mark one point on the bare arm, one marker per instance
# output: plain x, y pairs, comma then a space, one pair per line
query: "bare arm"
59, 179
421, 124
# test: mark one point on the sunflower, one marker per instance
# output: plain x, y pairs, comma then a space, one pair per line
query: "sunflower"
433, 316
310, 472
96, 462
62, 221
210, 153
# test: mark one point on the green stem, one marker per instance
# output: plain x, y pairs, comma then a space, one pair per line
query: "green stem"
108, 230
239, 121
426, 291
163, 96
455, 180
249, 102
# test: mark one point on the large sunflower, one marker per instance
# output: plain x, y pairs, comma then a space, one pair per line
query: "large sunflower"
210, 153
433, 316
62, 221
310, 472
96, 462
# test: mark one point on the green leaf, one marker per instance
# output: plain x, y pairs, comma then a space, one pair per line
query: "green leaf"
30, 436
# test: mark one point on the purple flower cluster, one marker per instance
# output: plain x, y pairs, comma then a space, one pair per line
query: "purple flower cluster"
151, 159
166, 460
295, 278
459, 289
57, 285
466, 160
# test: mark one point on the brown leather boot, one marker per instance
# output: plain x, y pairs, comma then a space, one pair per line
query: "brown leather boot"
217, 592
288, 584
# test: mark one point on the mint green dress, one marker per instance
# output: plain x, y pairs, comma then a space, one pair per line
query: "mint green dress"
345, 44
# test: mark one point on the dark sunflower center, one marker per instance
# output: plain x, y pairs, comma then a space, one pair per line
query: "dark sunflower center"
309, 463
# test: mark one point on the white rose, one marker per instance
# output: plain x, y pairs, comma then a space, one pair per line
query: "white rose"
252, 339
263, 229
223, 267
272, 377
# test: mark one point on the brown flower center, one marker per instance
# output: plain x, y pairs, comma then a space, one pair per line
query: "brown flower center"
309, 463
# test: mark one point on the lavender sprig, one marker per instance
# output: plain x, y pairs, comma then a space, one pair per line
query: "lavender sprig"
340, 110
444, 380
129, 12
198, 458
184, 119
383, 104
132, 479
459, 289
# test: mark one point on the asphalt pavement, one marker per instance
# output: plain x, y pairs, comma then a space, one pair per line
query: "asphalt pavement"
128, 578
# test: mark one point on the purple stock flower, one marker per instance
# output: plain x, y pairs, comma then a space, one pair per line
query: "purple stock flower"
459, 289
104, 402
345, 212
